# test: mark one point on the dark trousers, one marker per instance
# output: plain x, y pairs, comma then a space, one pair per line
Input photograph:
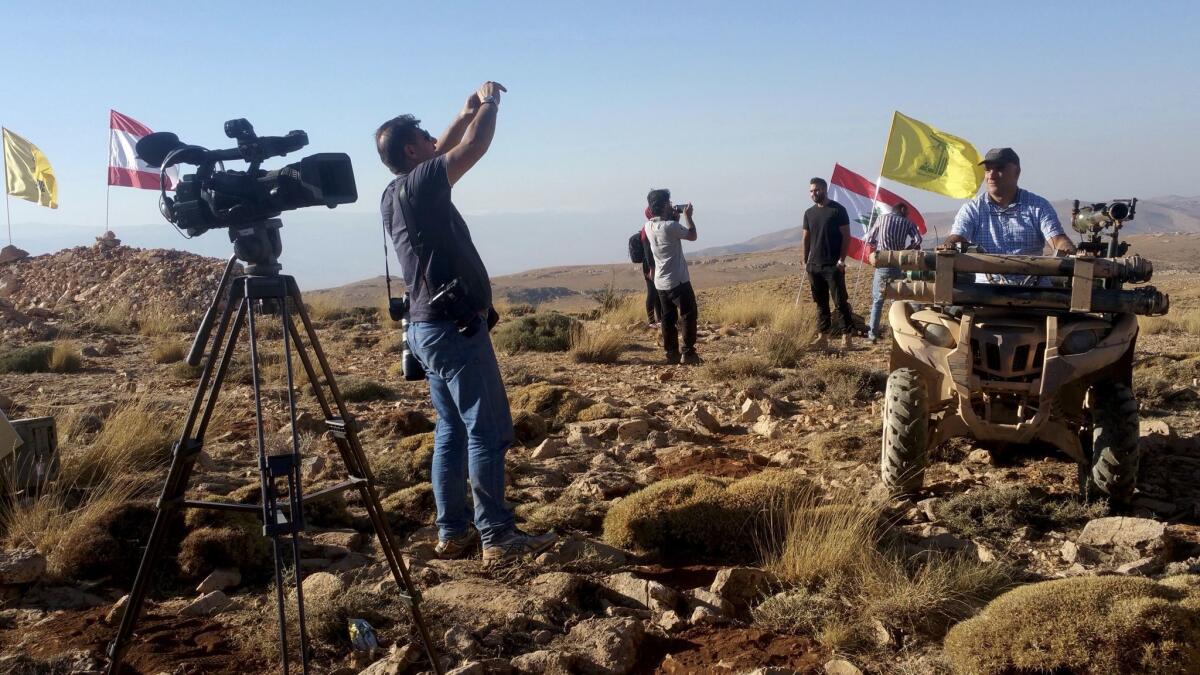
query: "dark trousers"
827, 280
654, 310
679, 304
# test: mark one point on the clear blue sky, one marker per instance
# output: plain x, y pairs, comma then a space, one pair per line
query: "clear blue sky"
733, 106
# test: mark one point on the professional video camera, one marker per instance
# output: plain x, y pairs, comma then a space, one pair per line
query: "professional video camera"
213, 198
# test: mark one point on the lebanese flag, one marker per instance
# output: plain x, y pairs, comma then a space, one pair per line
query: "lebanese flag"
857, 194
124, 167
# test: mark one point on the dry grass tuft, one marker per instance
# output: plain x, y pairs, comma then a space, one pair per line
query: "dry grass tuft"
995, 512
167, 351
158, 318
115, 318
628, 310
1183, 321
842, 575
29, 359
325, 308
745, 308
137, 436
65, 357
405, 463
1087, 625
838, 381
701, 517
596, 346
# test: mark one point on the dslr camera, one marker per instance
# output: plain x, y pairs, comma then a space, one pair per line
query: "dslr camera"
679, 209
409, 365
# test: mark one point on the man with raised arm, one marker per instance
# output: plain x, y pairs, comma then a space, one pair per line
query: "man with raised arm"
450, 299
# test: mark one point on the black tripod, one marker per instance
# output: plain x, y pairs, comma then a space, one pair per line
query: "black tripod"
264, 291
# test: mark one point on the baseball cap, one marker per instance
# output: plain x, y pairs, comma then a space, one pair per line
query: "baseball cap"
1001, 156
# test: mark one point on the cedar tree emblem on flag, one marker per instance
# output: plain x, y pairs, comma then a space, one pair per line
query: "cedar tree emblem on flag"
857, 195
124, 166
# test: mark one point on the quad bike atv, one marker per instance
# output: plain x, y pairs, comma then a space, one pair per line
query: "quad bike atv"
1014, 362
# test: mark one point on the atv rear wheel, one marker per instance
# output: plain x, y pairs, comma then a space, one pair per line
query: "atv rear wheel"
905, 432
1115, 456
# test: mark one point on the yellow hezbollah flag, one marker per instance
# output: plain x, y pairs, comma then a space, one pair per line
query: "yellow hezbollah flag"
923, 157
27, 172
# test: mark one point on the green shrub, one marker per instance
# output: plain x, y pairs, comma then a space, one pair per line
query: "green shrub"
1084, 625
29, 359
405, 463
542, 332
701, 517
355, 389
558, 405
735, 369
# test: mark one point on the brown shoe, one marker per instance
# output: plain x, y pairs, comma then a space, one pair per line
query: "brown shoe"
847, 341
819, 342
457, 547
518, 545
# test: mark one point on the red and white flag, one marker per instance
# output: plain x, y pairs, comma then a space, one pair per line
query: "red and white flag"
857, 194
124, 167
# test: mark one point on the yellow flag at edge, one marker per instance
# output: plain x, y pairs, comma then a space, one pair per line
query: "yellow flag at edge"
925, 158
27, 172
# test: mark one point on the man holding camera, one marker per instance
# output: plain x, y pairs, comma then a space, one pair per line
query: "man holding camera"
1007, 220
450, 300
826, 242
671, 279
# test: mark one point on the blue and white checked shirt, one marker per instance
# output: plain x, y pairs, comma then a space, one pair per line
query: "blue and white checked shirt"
1022, 228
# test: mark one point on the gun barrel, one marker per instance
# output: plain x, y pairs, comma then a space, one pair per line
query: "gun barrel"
1134, 269
1146, 300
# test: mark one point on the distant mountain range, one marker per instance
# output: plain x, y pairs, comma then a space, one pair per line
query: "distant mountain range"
1157, 215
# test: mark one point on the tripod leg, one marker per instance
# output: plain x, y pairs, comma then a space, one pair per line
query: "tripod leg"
294, 485
270, 468
183, 459
356, 463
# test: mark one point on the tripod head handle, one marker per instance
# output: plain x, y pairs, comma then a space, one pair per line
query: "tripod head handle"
197, 351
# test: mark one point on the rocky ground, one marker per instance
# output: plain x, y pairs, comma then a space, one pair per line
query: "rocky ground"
593, 435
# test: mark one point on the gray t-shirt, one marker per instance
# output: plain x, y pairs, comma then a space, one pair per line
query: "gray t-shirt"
670, 267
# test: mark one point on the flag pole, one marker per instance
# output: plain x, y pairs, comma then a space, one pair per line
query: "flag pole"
107, 178
7, 212
875, 197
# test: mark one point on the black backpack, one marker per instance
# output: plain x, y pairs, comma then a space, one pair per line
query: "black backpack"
635, 248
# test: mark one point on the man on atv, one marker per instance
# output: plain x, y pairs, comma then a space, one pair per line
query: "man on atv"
1007, 220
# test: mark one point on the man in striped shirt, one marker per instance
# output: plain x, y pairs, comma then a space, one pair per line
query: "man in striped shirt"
890, 232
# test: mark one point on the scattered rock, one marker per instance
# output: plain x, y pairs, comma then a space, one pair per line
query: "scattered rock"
630, 591
671, 622
704, 419
207, 604
751, 411
1126, 539
768, 428
633, 431
741, 586
548, 449
396, 662
11, 253
979, 457
841, 667
715, 605
21, 566
117, 611
459, 640
544, 662
606, 646
472, 668
220, 579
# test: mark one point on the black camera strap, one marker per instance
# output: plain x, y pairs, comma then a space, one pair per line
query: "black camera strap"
400, 201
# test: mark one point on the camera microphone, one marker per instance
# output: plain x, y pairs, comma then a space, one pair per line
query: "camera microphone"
154, 149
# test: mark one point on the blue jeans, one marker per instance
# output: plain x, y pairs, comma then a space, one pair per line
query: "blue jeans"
878, 282
474, 428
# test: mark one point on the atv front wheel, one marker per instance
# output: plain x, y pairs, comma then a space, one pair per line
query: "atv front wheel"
905, 432
1115, 453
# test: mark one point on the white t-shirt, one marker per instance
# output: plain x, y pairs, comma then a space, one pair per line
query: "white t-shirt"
670, 267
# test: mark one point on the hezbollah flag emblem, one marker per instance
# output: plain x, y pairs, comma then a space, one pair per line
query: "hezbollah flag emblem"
27, 172
929, 159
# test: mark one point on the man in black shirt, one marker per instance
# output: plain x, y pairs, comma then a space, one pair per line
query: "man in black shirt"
450, 339
826, 243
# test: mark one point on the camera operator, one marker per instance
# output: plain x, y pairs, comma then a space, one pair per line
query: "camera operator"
671, 279
450, 300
